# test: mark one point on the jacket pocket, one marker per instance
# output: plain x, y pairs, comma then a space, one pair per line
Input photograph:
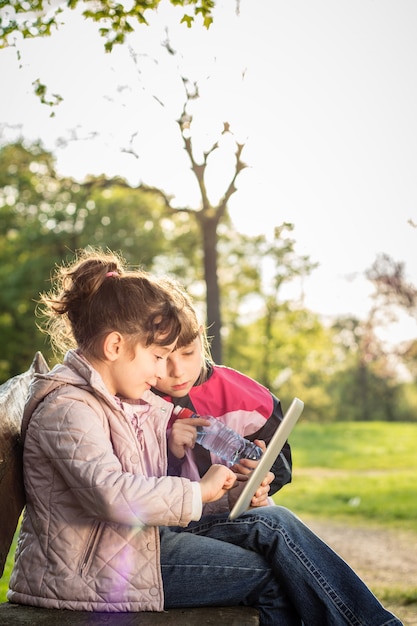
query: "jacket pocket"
90, 548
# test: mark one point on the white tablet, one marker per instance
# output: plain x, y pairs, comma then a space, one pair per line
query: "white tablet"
267, 459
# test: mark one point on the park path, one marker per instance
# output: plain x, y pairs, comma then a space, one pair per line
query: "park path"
383, 558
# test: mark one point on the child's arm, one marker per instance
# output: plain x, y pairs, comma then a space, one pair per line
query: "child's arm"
70, 446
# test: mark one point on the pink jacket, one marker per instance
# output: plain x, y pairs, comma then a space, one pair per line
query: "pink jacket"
96, 495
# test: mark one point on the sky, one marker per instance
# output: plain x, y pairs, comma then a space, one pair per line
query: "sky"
323, 93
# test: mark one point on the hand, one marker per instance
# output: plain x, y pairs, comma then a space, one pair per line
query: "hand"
183, 435
245, 466
261, 495
216, 481
236, 490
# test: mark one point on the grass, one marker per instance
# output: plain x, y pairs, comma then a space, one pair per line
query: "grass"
4, 581
385, 498
360, 472
357, 472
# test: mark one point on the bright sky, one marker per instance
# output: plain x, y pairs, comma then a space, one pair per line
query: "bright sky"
323, 93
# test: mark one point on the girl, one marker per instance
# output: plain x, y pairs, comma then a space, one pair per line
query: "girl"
194, 381
93, 465
105, 529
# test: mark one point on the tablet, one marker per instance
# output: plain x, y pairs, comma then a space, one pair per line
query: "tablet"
267, 459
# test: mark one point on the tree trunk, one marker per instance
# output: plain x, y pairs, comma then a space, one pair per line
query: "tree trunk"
213, 322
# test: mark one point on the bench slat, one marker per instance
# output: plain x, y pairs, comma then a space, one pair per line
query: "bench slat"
18, 615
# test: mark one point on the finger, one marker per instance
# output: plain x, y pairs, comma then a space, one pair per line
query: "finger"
245, 466
261, 443
262, 492
241, 478
268, 479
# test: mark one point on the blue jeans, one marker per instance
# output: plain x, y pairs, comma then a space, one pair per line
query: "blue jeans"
268, 559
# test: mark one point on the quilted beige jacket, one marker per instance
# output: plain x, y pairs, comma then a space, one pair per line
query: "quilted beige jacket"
96, 495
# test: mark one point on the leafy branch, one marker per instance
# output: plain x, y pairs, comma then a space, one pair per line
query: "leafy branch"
37, 18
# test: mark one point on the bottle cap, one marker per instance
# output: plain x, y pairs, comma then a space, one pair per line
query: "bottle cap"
182, 412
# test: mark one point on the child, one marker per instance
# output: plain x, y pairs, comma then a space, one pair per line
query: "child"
194, 381
105, 529
92, 471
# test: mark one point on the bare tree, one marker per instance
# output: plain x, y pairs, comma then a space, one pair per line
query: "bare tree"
208, 216
393, 292
391, 285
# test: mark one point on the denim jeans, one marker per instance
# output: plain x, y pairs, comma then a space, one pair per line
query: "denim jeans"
268, 559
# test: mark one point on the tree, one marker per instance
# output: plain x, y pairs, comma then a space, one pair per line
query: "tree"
341, 372
366, 387
410, 358
391, 285
286, 266
115, 19
393, 293
45, 218
302, 358
29, 197
369, 386
208, 216
21, 19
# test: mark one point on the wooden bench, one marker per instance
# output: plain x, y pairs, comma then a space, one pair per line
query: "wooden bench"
12, 500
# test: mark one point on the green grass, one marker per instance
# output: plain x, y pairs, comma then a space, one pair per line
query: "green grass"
362, 472
4, 581
355, 445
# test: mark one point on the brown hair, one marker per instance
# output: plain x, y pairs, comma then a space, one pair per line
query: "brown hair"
96, 295
191, 326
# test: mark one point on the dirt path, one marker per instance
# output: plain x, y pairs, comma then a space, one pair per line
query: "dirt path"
383, 558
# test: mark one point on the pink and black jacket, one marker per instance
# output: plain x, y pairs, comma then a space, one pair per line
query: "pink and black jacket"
242, 404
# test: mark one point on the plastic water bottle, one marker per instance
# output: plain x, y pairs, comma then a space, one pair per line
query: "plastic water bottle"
221, 440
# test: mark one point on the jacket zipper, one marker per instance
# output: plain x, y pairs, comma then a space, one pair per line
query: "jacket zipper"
91, 543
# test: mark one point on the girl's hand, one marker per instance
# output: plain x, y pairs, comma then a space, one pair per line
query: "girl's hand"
183, 435
234, 493
216, 481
